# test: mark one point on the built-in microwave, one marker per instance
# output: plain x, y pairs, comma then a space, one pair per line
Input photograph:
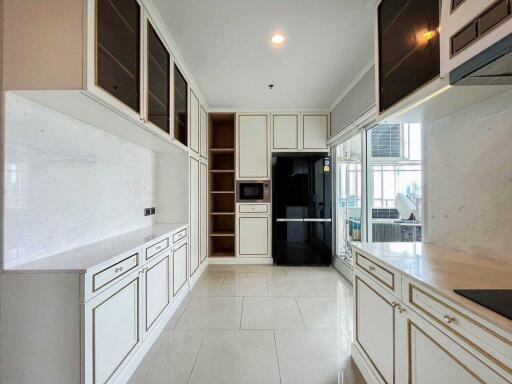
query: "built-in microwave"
253, 191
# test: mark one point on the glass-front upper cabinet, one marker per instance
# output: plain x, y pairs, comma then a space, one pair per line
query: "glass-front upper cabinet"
118, 30
180, 107
159, 72
409, 53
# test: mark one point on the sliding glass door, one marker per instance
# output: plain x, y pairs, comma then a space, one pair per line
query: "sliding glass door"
349, 195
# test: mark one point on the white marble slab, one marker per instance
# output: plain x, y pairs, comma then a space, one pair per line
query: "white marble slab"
444, 269
82, 259
68, 184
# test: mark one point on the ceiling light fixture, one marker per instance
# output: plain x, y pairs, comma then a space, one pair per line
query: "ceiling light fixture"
277, 39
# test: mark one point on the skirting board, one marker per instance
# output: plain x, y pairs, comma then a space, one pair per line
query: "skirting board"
364, 368
342, 268
240, 260
178, 301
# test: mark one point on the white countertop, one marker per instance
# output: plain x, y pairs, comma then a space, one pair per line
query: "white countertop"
80, 260
444, 269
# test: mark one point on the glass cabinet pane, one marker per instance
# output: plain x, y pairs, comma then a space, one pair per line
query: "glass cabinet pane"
409, 54
180, 107
159, 63
118, 50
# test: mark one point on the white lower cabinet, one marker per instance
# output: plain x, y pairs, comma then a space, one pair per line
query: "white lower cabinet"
179, 266
394, 343
253, 236
375, 326
434, 358
156, 290
113, 329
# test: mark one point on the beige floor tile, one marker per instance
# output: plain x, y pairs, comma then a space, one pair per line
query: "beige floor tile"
290, 286
326, 312
271, 313
238, 357
212, 313
315, 357
244, 286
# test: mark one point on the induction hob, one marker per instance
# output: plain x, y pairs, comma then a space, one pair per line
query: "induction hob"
497, 300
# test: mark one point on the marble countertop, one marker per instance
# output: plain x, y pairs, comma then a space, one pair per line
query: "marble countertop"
82, 259
444, 269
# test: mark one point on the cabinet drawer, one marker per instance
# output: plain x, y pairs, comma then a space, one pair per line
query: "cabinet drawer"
112, 273
253, 208
494, 346
157, 248
178, 236
387, 277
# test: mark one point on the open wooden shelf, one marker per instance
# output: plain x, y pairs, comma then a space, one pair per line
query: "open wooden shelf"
222, 184
222, 234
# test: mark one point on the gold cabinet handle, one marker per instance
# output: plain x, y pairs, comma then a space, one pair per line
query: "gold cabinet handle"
395, 304
448, 319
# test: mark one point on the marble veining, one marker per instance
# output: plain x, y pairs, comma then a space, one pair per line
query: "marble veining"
68, 184
469, 179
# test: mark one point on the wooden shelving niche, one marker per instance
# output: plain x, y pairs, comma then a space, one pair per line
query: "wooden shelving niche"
222, 184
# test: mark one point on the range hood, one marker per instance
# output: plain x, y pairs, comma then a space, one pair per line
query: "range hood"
493, 66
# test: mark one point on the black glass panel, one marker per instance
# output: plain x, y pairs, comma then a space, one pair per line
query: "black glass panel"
497, 300
408, 47
180, 107
159, 72
118, 50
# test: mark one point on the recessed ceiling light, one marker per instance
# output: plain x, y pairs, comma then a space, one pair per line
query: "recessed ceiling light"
277, 39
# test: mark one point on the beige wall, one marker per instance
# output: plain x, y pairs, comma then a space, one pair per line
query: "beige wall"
469, 179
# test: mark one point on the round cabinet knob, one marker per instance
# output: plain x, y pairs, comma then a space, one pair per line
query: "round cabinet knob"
400, 310
119, 269
371, 268
449, 319
394, 304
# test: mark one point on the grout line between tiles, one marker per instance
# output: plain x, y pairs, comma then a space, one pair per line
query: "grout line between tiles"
241, 313
301, 316
197, 356
277, 357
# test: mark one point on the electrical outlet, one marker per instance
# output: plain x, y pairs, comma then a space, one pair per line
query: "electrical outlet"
147, 211
153, 210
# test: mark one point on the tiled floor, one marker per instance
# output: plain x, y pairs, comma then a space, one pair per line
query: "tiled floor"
258, 324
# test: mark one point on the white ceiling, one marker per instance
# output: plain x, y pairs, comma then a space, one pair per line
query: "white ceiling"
226, 45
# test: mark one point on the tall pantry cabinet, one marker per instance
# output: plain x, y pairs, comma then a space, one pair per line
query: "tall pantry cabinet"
198, 186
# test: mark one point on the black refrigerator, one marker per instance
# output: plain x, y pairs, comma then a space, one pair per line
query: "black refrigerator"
301, 201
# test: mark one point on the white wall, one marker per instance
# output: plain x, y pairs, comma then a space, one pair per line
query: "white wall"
358, 100
68, 184
469, 175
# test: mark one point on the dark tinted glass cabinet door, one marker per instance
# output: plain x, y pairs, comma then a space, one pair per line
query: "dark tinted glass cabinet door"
180, 107
159, 72
409, 54
118, 50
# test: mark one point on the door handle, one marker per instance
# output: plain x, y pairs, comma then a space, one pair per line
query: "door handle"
318, 220
289, 220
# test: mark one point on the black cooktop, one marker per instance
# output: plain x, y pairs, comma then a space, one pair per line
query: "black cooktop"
497, 300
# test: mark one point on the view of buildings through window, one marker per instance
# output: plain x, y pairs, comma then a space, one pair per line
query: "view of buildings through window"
393, 186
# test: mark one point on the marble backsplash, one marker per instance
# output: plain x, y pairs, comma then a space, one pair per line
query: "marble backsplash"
68, 184
469, 179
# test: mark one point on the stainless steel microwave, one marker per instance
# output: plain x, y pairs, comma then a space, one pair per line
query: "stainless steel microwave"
253, 191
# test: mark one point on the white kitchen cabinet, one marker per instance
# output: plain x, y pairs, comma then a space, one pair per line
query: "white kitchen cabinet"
108, 72
113, 329
203, 142
253, 233
203, 212
436, 358
179, 266
315, 130
156, 290
194, 118
470, 28
253, 149
285, 132
194, 237
375, 326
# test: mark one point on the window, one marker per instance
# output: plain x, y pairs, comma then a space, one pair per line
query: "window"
348, 195
394, 183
